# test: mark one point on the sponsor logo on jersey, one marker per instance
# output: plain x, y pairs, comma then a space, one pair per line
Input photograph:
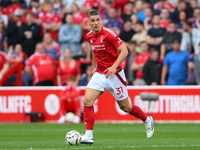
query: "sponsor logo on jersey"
98, 47
121, 96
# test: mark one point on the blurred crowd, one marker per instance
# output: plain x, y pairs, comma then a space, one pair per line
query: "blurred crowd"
48, 37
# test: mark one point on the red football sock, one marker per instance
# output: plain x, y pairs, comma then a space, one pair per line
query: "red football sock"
138, 113
89, 117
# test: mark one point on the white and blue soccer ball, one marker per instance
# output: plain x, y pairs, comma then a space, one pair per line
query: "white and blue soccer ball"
73, 138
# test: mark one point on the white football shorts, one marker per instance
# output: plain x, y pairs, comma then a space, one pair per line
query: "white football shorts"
116, 86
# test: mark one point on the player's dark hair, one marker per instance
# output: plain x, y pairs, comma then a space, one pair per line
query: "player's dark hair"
127, 20
156, 15
93, 13
144, 42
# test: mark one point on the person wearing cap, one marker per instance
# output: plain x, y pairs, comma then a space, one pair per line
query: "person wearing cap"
12, 30
11, 9
176, 66
24, 8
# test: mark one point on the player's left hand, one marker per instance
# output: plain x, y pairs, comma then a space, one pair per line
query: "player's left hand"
110, 72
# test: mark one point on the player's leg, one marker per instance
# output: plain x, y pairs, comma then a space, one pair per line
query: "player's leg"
88, 113
137, 112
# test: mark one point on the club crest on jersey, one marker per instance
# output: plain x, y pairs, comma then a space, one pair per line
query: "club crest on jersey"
101, 39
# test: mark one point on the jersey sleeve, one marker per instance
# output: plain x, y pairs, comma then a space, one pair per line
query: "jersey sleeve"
114, 38
31, 61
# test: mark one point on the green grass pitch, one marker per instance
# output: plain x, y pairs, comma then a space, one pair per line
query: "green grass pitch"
106, 136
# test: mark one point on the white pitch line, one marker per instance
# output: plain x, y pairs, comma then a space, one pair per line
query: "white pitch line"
108, 147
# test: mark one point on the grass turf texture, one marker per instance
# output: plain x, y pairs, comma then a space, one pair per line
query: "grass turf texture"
106, 136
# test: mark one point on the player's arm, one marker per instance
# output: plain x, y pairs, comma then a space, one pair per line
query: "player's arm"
93, 63
122, 56
136, 66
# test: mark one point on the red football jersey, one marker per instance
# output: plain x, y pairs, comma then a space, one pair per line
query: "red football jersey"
11, 8
78, 18
22, 55
104, 46
141, 59
42, 67
68, 71
70, 92
3, 59
90, 3
52, 19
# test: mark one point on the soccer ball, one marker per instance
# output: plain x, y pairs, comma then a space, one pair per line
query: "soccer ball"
70, 117
73, 138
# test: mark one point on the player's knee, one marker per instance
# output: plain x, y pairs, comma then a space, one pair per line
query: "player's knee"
87, 102
124, 108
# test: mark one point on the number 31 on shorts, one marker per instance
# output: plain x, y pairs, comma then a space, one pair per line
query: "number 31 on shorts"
119, 90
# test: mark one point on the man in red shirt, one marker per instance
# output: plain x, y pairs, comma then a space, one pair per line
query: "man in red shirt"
107, 74
11, 8
4, 66
70, 101
41, 67
88, 4
139, 62
51, 22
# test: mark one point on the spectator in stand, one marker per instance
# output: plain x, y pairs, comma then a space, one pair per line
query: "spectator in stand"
196, 21
18, 56
127, 33
139, 10
175, 65
3, 38
40, 66
155, 35
164, 4
190, 38
37, 11
51, 22
78, 16
148, 18
70, 101
57, 7
139, 62
191, 14
4, 65
129, 11
25, 11
68, 67
140, 35
104, 15
70, 36
164, 22
12, 30
197, 66
29, 33
182, 19
51, 47
11, 9
4, 18
86, 77
152, 69
115, 23
168, 39
88, 4
130, 60
134, 19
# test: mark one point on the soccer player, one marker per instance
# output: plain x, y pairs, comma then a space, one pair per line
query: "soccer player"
107, 74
